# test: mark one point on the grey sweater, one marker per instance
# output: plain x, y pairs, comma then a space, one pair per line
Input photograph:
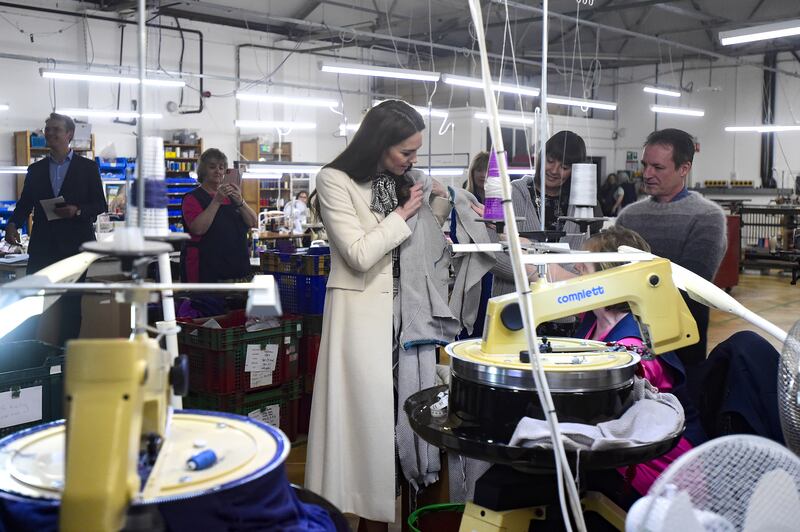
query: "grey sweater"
690, 232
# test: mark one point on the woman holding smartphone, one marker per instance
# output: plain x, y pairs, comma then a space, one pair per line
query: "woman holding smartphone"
218, 220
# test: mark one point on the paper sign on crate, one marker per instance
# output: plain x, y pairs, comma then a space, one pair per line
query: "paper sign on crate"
22, 406
269, 414
260, 378
262, 359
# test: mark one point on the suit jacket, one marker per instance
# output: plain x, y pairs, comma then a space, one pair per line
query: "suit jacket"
52, 241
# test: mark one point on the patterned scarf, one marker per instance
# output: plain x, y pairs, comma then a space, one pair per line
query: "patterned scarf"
384, 193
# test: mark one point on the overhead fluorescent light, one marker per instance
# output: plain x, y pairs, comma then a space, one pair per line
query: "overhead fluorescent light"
3, 107
508, 119
344, 128
272, 124
302, 101
521, 171
580, 102
273, 168
13, 169
772, 128
101, 113
435, 113
444, 171
677, 110
277, 170
359, 69
662, 91
776, 30
475, 83
109, 78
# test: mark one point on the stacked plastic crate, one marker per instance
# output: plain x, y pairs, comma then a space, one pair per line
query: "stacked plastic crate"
247, 368
31, 385
302, 277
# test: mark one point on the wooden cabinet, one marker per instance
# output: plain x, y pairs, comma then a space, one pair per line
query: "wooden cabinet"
267, 194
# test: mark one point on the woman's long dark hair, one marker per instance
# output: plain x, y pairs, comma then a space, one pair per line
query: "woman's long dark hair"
388, 123
385, 125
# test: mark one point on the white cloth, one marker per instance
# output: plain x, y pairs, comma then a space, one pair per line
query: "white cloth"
653, 417
296, 214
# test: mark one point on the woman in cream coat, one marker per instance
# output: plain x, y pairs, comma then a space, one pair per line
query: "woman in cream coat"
364, 199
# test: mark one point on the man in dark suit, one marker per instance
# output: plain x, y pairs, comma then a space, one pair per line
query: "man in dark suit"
75, 178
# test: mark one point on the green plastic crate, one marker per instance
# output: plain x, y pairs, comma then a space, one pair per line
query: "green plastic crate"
25, 365
253, 403
233, 332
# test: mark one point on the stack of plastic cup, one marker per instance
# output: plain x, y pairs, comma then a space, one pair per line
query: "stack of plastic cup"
155, 215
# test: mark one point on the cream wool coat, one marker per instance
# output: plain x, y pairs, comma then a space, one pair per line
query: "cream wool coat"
351, 456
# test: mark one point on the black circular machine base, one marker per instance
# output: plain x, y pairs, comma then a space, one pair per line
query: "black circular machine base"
450, 432
492, 412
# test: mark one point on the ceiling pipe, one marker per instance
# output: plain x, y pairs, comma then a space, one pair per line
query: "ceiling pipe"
637, 35
124, 21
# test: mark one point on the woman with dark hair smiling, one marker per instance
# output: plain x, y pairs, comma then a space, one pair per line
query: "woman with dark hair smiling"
371, 203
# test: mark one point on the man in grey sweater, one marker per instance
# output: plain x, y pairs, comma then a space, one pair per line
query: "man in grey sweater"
679, 225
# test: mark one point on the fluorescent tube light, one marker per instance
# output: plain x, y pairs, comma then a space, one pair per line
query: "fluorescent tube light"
100, 113
359, 69
109, 78
270, 124
662, 91
474, 83
521, 171
580, 102
444, 171
13, 169
762, 129
303, 101
343, 129
677, 110
284, 168
3, 107
786, 28
435, 113
508, 119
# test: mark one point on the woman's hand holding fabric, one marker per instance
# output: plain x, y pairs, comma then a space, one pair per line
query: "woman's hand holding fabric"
413, 204
437, 189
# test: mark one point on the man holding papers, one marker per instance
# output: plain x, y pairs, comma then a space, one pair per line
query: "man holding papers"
65, 193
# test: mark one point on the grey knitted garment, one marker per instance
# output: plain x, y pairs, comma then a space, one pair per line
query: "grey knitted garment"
690, 232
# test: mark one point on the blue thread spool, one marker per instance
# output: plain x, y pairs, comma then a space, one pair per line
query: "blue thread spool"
202, 460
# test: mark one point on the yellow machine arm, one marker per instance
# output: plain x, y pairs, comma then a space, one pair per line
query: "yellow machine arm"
664, 319
118, 394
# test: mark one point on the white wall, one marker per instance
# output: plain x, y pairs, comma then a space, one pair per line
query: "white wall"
736, 100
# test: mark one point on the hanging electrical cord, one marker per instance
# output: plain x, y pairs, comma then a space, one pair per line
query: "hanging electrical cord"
88, 38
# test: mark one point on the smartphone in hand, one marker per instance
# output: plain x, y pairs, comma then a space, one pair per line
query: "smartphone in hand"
232, 177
